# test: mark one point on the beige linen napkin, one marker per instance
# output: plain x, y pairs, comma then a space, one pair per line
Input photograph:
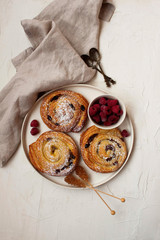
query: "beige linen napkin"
59, 35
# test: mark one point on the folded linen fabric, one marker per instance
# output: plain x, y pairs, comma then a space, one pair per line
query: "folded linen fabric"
59, 35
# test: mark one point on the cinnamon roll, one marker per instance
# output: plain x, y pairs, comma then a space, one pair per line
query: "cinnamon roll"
64, 111
103, 150
54, 153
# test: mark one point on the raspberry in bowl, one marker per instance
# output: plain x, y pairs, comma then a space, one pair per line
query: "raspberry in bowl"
106, 112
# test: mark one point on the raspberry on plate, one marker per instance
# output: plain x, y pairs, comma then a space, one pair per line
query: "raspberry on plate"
125, 133
34, 123
34, 131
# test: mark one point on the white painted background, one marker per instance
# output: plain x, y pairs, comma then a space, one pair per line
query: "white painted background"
32, 207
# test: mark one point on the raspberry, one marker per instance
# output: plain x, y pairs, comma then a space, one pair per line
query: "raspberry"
97, 106
96, 118
34, 131
34, 123
113, 119
125, 133
103, 116
106, 109
92, 111
112, 102
116, 109
107, 123
120, 112
102, 101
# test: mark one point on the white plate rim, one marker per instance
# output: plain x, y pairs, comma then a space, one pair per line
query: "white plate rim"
68, 86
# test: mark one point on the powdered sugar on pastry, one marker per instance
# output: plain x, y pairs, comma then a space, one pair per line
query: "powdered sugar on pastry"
64, 111
54, 153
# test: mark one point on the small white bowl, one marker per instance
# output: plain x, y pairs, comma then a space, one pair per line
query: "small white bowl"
121, 119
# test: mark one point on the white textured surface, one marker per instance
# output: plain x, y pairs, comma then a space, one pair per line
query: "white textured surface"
32, 207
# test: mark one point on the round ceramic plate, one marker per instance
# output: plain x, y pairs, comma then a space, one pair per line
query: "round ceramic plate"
89, 92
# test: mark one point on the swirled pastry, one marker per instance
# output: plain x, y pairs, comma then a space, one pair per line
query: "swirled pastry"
54, 153
64, 111
103, 150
